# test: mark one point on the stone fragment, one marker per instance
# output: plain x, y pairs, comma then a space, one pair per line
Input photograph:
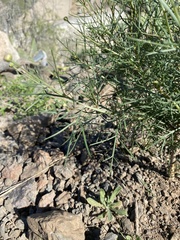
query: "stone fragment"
59, 184
22, 237
42, 182
50, 184
164, 209
2, 229
9, 217
64, 171
127, 226
55, 224
106, 94
7, 182
111, 236
41, 161
4, 122
29, 170
24, 195
12, 172
62, 198
47, 10
47, 199
158, 237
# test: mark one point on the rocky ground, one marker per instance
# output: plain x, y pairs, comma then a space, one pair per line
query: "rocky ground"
38, 182
43, 193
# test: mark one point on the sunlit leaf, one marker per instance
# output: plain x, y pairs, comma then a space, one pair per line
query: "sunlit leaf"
94, 203
109, 215
102, 215
102, 197
114, 194
116, 205
122, 212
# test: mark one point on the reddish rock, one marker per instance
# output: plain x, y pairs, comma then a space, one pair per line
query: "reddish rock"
42, 182
29, 170
47, 199
12, 172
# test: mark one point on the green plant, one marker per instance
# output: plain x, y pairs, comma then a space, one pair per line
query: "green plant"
133, 46
108, 205
24, 94
132, 49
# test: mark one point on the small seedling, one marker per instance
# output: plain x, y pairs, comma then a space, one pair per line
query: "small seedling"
110, 208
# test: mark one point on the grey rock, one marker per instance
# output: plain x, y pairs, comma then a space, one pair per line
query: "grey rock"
24, 195
127, 226
111, 236
64, 172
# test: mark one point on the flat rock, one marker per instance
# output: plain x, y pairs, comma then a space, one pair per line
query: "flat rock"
55, 224
24, 195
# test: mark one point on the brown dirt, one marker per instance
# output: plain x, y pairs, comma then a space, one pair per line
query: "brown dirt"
28, 164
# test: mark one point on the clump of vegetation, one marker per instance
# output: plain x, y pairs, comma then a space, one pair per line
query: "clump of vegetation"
108, 205
130, 63
133, 47
24, 95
